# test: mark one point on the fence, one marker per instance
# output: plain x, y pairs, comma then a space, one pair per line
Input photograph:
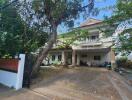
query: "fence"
11, 72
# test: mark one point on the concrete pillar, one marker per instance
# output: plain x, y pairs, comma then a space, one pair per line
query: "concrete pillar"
20, 72
112, 56
63, 58
73, 58
113, 63
108, 56
78, 59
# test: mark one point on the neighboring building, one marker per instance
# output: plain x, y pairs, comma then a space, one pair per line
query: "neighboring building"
95, 50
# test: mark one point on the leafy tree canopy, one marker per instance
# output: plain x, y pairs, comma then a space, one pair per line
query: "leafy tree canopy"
15, 35
122, 13
70, 38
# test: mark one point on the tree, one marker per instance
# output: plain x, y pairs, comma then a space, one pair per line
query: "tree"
122, 14
15, 35
70, 38
49, 14
124, 43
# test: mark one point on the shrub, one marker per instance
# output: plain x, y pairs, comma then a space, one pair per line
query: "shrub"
128, 64
121, 61
7, 56
55, 63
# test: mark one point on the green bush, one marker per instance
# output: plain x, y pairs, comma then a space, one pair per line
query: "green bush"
55, 63
7, 56
123, 62
128, 64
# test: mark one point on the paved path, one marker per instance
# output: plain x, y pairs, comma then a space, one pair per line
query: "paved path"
23, 94
75, 84
124, 90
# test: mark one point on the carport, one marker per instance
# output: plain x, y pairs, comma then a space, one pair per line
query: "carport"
92, 56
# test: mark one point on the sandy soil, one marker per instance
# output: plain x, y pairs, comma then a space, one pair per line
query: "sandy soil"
73, 84
84, 84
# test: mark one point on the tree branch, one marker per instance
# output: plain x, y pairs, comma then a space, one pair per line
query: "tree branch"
5, 6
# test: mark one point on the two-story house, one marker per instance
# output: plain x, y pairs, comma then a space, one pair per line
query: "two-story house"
95, 50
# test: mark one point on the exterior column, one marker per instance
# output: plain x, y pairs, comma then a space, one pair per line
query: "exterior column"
108, 56
112, 56
73, 58
113, 64
78, 59
20, 73
63, 58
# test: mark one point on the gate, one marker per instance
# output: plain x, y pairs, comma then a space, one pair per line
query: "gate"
29, 61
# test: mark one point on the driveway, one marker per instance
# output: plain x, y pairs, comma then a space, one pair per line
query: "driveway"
76, 84
85, 84
23, 94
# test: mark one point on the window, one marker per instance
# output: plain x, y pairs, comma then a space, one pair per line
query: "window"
97, 57
53, 57
93, 37
59, 57
84, 56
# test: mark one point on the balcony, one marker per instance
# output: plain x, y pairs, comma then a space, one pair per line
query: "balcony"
89, 42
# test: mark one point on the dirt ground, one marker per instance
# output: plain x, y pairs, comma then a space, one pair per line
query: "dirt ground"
74, 84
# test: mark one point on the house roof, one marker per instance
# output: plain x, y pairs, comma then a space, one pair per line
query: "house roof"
86, 23
90, 21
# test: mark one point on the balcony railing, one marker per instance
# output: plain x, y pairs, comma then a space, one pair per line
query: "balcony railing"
98, 40
87, 41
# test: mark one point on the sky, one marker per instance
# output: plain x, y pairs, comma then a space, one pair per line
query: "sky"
100, 16
104, 3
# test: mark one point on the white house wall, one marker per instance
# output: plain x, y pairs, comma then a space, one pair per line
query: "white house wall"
56, 54
90, 57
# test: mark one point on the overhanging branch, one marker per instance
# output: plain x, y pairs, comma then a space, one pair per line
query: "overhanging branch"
5, 6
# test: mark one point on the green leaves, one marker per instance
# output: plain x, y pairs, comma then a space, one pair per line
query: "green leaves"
70, 38
29, 25
122, 13
16, 36
59, 11
2, 1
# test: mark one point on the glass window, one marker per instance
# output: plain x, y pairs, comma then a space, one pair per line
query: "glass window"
53, 57
59, 57
93, 37
84, 56
97, 57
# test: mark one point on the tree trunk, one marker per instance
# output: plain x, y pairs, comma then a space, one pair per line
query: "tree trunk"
43, 53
